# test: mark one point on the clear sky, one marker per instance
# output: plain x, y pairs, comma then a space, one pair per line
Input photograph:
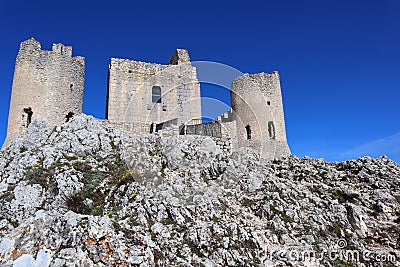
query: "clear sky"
339, 61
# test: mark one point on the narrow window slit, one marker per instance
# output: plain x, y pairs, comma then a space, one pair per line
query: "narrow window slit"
271, 129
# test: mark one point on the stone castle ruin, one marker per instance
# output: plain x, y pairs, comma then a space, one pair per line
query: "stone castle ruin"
46, 84
144, 97
147, 98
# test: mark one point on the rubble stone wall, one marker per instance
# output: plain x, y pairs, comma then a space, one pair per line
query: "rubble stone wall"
257, 102
130, 91
49, 83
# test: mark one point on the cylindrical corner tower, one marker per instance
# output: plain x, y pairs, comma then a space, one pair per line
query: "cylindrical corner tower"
257, 101
47, 85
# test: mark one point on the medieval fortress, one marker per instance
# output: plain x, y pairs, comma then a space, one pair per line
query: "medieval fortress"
146, 98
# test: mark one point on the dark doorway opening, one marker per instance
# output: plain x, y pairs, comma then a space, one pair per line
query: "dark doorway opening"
69, 116
29, 113
248, 132
182, 130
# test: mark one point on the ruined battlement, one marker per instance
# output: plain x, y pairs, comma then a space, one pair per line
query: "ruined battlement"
30, 45
147, 97
268, 83
31, 49
46, 84
62, 49
132, 66
180, 56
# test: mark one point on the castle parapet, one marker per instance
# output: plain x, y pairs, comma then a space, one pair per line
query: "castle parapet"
62, 49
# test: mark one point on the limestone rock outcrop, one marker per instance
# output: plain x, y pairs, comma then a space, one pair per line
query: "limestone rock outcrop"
87, 194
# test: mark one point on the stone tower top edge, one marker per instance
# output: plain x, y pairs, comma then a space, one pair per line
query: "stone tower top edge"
32, 44
180, 56
259, 75
128, 65
62, 49
262, 76
265, 83
114, 61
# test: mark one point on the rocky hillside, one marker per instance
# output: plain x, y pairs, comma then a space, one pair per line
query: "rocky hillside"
86, 194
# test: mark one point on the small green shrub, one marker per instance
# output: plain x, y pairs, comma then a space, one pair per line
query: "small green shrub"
81, 166
98, 184
344, 197
286, 218
335, 229
193, 247
43, 177
247, 202
216, 219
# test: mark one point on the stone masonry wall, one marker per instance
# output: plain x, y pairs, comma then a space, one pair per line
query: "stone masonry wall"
180, 56
49, 85
49, 82
228, 126
228, 131
130, 91
257, 101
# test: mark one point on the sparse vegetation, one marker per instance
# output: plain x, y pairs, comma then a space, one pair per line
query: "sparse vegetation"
44, 177
335, 229
344, 197
193, 214
98, 184
286, 218
193, 247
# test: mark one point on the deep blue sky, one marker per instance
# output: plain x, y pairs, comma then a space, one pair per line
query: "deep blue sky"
339, 61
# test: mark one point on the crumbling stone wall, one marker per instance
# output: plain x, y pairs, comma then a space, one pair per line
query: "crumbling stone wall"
130, 92
257, 103
179, 56
48, 83
256, 118
228, 131
228, 126
147, 98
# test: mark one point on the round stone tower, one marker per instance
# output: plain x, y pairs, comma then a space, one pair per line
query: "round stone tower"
256, 100
46, 84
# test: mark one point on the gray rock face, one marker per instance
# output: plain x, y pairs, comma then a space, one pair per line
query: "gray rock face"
86, 194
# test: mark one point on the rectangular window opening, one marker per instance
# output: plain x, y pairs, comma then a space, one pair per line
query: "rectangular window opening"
156, 94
